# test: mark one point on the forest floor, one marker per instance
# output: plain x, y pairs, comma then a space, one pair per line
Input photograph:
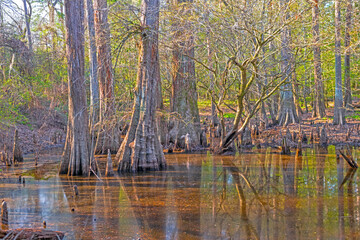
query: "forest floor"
47, 127
49, 130
272, 136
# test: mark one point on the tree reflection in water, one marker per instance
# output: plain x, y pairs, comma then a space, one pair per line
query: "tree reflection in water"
259, 194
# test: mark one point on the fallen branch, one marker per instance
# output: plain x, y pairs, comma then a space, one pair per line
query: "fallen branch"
349, 160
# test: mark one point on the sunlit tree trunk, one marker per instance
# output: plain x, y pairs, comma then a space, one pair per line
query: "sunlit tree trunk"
319, 105
339, 113
76, 156
184, 94
141, 149
347, 97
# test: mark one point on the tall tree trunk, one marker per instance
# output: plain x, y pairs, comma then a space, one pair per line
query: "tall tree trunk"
1, 16
76, 156
27, 21
319, 104
214, 117
94, 84
184, 94
108, 135
347, 97
51, 7
339, 113
161, 120
141, 149
287, 112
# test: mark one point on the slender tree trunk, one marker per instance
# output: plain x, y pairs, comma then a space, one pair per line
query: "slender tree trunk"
214, 118
1, 16
161, 119
339, 113
347, 97
287, 111
319, 104
296, 92
184, 94
105, 74
76, 156
108, 134
27, 21
53, 27
141, 149
94, 84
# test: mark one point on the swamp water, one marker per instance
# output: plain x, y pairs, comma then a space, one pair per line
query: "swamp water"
258, 194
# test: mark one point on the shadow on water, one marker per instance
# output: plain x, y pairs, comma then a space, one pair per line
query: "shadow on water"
257, 195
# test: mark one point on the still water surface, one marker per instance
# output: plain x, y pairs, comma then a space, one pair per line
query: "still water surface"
258, 194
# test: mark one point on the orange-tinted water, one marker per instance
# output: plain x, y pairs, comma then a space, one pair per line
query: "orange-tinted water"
255, 195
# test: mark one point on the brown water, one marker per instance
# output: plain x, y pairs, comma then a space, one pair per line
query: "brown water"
256, 195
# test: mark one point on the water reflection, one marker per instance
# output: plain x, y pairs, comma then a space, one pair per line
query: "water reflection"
256, 195
320, 156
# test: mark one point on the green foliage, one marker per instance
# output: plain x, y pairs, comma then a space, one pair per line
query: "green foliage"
355, 116
229, 115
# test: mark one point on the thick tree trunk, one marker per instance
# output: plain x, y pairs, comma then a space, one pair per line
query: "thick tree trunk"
184, 94
76, 156
287, 112
347, 97
141, 149
319, 104
339, 113
94, 84
108, 132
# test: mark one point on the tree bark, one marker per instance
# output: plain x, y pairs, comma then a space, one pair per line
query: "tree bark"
76, 155
347, 97
94, 83
339, 113
287, 112
17, 153
184, 94
141, 149
108, 134
319, 104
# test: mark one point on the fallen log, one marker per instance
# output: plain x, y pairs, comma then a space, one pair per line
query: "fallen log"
31, 233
